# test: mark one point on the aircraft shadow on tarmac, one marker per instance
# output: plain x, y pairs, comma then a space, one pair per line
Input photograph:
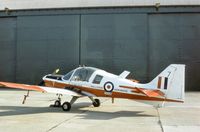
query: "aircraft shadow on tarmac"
77, 109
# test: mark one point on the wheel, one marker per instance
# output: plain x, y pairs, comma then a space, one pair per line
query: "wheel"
66, 106
57, 103
96, 103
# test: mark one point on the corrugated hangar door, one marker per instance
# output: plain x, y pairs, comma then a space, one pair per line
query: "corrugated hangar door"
175, 38
46, 43
7, 49
115, 42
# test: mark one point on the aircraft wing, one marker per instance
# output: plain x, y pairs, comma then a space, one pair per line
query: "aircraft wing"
147, 92
40, 88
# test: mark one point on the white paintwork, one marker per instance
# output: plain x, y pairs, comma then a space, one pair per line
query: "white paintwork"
59, 91
42, 4
89, 81
174, 72
176, 81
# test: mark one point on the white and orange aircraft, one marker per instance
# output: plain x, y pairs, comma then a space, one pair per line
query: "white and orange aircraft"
92, 82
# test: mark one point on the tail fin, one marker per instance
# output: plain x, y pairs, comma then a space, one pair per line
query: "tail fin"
171, 81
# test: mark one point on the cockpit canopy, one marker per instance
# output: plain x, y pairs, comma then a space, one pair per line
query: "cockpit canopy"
68, 75
80, 74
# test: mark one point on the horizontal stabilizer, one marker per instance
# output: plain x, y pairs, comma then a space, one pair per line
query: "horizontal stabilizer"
151, 93
147, 92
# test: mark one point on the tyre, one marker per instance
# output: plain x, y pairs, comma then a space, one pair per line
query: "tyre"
96, 103
57, 103
66, 106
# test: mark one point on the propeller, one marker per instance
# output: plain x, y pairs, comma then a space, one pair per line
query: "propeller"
53, 73
56, 71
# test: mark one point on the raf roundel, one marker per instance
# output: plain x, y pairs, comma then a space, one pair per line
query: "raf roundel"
108, 86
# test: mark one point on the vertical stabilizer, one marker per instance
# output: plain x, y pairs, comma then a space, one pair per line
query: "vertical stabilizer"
171, 81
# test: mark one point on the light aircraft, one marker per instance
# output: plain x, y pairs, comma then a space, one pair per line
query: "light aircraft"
92, 82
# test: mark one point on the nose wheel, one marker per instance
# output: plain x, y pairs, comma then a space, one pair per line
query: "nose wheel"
57, 103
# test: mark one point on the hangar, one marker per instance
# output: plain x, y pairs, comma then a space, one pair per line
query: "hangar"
143, 37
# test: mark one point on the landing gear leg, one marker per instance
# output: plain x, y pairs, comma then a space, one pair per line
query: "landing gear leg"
66, 106
57, 103
95, 102
25, 96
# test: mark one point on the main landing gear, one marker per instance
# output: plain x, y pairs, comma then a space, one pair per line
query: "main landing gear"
66, 106
95, 102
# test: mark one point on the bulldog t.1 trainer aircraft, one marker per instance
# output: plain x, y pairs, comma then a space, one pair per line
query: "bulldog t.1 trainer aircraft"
168, 86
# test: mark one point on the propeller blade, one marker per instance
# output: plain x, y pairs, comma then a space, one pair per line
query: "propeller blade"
56, 71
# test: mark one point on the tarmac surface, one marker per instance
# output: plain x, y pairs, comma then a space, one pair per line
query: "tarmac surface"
122, 116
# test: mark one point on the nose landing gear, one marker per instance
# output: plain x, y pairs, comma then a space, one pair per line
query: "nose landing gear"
57, 103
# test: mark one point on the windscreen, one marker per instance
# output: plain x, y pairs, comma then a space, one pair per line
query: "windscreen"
83, 74
68, 75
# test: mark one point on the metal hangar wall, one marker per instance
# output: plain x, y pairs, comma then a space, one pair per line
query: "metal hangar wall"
143, 40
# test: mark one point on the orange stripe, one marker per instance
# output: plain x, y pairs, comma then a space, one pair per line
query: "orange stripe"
101, 93
55, 84
21, 86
